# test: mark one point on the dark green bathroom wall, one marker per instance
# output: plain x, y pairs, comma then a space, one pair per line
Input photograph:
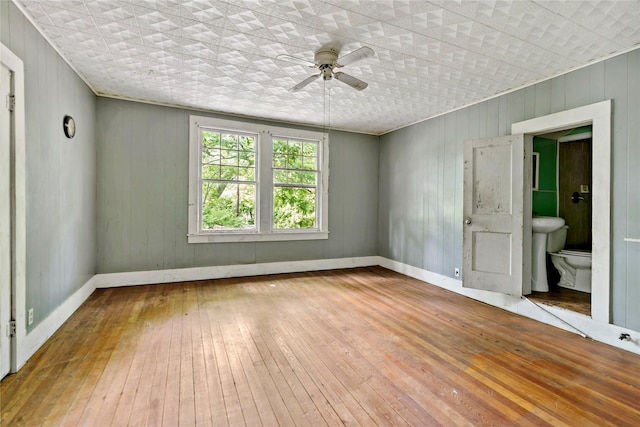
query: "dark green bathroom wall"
545, 198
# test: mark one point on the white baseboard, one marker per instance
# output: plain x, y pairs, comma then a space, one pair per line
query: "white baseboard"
561, 318
111, 280
598, 331
32, 341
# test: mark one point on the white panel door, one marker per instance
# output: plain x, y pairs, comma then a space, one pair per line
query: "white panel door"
494, 254
5, 222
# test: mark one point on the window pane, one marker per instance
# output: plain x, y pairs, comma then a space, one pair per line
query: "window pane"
309, 178
228, 206
295, 177
279, 146
210, 139
246, 174
294, 208
246, 143
295, 147
279, 161
210, 172
246, 158
280, 177
310, 149
229, 157
229, 173
210, 155
309, 163
229, 141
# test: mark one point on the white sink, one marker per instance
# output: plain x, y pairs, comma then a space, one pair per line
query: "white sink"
546, 224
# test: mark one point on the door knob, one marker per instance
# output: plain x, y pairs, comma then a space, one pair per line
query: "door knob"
467, 221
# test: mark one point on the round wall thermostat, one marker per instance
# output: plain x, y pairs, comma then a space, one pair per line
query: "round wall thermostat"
69, 126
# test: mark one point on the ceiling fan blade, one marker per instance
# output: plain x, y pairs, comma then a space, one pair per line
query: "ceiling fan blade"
350, 80
356, 55
303, 83
294, 60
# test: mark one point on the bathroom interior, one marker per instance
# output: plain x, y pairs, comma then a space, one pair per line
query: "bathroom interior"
561, 204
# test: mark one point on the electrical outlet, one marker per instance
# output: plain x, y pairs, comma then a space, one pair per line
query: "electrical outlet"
30, 321
456, 272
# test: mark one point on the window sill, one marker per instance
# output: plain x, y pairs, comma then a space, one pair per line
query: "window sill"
257, 237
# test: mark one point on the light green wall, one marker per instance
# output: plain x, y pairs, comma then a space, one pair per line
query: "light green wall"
60, 173
142, 196
421, 172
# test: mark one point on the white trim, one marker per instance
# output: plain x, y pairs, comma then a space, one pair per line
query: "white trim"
599, 331
257, 237
263, 230
15, 64
605, 333
110, 280
599, 115
47, 327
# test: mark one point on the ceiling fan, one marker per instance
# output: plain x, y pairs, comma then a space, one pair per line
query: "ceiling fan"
326, 60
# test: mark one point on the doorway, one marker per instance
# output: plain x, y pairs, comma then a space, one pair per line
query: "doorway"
564, 163
599, 117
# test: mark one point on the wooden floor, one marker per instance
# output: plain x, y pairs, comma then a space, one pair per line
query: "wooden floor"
349, 347
577, 301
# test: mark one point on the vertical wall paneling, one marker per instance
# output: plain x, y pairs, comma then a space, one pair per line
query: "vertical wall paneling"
352, 165
60, 173
516, 104
143, 183
558, 94
577, 87
529, 103
596, 82
155, 197
449, 193
542, 98
430, 196
463, 125
615, 79
336, 212
171, 212
616, 74
631, 250
4, 20
384, 197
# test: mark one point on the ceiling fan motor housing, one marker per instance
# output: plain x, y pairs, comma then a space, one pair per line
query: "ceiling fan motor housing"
326, 60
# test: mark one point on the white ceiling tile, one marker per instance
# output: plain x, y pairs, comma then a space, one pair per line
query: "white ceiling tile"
430, 57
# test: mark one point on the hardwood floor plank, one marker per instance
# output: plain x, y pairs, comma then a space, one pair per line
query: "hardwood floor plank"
207, 304
363, 346
171, 399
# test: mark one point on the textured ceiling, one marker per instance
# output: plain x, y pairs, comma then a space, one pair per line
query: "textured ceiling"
430, 57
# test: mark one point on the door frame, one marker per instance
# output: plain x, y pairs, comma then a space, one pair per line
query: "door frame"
599, 116
18, 182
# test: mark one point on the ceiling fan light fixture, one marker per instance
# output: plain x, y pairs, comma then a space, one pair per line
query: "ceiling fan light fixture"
325, 60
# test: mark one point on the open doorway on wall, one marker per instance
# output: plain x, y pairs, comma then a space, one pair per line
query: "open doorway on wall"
598, 116
563, 188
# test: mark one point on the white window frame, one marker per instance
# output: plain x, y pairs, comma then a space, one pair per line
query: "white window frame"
264, 184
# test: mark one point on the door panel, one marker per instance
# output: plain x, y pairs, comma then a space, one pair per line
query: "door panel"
496, 213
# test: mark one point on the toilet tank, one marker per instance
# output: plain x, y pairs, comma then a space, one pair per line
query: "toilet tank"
557, 239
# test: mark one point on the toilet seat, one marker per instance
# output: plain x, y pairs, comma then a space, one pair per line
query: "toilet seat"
575, 252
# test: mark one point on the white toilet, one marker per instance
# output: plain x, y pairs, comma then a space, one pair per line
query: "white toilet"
574, 266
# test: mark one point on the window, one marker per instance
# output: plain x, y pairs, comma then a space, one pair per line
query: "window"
250, 182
